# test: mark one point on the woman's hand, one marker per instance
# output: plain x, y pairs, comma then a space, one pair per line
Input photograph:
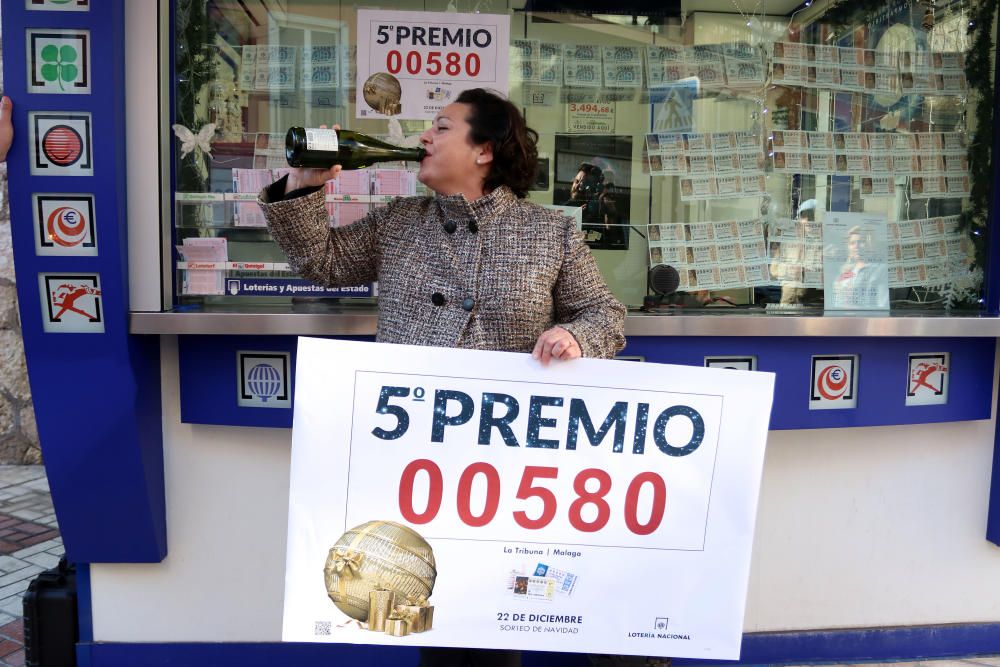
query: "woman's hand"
300, 177
6, 128
556, 343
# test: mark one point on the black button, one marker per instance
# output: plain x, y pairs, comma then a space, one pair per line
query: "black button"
450, 226
467, 304
473, 227
437, 299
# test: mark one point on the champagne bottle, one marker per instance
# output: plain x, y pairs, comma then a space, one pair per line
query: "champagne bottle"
323, 148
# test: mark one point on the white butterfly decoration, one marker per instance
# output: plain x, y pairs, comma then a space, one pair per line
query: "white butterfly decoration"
192, 142
396, 137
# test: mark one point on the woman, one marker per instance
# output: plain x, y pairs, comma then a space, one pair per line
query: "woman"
474, 266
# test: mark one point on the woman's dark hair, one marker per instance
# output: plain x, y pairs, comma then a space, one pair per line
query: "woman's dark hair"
515, 153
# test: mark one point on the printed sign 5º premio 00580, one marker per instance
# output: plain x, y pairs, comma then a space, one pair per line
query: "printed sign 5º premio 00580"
436, 505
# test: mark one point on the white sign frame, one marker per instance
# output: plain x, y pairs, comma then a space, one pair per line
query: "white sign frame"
55, 232
827, 389
424, 79
246, 397
78, 124
36, 41
71, 302
342, 475
928, 378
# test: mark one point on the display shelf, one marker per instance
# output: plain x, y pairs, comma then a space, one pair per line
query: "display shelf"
223, 197
250, 267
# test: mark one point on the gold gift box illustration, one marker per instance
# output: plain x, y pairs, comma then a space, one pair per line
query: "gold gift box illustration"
380, 605
396, 627
381, 573
409, 618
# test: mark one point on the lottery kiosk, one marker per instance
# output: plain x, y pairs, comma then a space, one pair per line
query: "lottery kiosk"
803, 189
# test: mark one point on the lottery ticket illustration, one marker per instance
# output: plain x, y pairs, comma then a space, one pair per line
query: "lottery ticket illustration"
534, 588
565, 581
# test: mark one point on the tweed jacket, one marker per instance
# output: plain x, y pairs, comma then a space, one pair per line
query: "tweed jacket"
492, 274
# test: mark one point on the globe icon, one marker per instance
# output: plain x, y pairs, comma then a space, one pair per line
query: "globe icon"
264, 381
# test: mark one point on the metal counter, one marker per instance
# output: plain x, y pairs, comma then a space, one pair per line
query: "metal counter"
360, 321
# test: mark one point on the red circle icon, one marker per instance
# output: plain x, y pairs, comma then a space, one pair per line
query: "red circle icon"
66, 226
62, 145
832, 382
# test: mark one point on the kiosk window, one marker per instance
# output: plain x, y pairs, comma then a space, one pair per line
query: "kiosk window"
789, 163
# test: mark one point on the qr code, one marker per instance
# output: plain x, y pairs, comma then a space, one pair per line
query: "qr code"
321, 628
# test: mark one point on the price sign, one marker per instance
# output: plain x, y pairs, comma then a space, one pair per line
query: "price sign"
590, 117
531, 486
411, 64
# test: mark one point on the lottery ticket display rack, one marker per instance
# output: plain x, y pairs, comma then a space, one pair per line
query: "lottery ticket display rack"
165, 431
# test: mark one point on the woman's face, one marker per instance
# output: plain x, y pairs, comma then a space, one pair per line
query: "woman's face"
855, 245
450, 165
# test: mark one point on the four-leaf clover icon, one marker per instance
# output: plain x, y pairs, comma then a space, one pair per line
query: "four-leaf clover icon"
58, 64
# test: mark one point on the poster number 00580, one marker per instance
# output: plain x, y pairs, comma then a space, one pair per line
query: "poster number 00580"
531, 487
434, 63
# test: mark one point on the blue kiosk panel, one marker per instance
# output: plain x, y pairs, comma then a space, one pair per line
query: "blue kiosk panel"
96, 388
209, 376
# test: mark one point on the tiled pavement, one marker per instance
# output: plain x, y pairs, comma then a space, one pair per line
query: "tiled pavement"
30, 543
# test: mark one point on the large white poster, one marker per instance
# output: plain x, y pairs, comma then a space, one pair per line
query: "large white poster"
462, 498
412, 64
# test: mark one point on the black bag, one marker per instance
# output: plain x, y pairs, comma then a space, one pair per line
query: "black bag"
51, 623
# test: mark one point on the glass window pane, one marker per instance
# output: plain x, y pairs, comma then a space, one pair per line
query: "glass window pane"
785, 163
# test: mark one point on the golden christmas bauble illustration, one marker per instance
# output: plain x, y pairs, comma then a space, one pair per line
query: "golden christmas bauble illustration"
378, 555
383, 93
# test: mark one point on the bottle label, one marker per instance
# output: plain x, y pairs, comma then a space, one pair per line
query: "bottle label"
322, 140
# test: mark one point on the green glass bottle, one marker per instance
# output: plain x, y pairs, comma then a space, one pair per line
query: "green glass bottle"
323, 148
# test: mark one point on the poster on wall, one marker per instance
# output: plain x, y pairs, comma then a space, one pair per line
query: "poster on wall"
434, 506
855, 262
590, 117
412, 64
673, 105
594, 172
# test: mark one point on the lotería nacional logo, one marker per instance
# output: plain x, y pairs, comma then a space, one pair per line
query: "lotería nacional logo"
71, 303
833, 384
264, 380
64, 224
61, 143
927, 378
